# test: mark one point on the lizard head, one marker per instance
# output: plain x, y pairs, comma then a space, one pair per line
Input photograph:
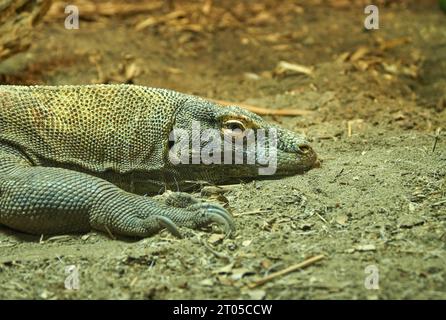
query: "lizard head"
234, 144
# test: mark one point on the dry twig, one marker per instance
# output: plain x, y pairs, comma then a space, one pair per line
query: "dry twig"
265, 111
286, 271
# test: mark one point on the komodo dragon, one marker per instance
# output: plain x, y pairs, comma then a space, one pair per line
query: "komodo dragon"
76, 158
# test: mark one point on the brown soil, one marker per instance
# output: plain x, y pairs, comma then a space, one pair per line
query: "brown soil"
376, 99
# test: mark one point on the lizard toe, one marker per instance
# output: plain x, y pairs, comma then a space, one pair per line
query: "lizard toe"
169, 225
217, 214
180, 199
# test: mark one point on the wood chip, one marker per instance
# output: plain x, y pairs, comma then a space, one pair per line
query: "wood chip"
365, 247
153, 21
284, 68
392, 43
359, 53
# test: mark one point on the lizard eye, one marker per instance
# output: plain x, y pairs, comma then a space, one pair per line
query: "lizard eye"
232, 125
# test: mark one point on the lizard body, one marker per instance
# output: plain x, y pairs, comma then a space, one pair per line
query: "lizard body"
76, 158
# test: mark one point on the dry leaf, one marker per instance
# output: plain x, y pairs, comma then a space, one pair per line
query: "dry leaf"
225, 281
239, 273
366, 247
246, 243
359, 53
227, 269
207, 282
342, 219
257, 294
216, 238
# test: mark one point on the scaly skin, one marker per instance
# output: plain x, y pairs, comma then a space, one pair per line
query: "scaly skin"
65, 150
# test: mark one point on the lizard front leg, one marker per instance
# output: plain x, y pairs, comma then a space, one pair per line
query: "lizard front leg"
46, 200
145, 216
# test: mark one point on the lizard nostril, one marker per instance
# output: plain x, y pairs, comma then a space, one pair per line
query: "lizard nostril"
305, 149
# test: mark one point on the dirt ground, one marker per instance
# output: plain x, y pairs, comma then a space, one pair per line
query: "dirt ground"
372, 100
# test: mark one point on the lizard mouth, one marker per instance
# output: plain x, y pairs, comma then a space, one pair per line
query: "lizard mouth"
300, 161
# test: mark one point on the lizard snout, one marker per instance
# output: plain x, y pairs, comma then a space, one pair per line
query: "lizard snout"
307, 156
304, 149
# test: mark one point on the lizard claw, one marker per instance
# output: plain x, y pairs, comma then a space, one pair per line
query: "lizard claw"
218, 214
169, 225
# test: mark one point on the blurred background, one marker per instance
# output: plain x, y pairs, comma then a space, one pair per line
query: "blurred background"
318, 51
